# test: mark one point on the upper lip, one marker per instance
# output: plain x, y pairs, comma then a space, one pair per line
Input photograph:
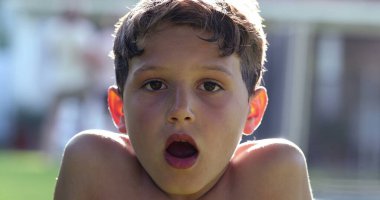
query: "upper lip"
180, 137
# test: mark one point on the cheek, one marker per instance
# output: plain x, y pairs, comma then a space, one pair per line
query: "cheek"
224, 123
227, 112
143, 125
143, 112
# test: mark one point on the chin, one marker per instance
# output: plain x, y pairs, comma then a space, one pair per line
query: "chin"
189, 187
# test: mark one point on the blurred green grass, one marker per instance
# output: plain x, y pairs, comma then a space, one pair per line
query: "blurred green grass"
26, 175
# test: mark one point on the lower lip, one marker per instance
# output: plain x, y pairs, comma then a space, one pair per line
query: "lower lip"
180, 163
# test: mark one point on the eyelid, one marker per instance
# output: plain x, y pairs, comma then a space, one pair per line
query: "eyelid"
217, 83
145, 83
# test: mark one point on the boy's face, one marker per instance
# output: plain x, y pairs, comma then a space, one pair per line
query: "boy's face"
185, 109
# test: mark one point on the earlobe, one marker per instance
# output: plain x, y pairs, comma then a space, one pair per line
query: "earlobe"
115, 106
257, 106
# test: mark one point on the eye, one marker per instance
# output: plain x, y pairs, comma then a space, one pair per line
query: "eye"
154, 85
210, 86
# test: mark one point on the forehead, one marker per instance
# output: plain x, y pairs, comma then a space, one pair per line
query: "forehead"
167, 34
180, 45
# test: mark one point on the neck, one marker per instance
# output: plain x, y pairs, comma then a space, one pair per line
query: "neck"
201, 193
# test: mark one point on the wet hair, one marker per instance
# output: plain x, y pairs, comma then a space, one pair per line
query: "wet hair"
235, 26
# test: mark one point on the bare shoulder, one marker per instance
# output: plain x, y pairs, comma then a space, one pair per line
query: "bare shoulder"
272, 169
100, 141
92, 159
271, 151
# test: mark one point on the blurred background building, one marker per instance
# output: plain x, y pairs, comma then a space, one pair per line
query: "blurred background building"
323, 81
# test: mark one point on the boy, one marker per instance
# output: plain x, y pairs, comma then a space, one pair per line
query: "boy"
188, 84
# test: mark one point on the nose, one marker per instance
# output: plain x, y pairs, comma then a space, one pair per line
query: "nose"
180, 110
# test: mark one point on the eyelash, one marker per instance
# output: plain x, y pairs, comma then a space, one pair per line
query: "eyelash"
216, 86
147, 85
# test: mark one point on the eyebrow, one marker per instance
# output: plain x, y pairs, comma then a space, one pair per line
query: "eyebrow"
147, 68
218, 69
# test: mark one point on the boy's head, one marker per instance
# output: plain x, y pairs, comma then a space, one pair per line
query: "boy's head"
183, 70
235, 26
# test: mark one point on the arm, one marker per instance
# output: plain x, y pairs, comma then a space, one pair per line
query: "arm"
89, 165
275, 169
71, 182
290, 176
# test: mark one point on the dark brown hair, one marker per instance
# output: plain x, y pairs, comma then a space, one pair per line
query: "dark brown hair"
236, 27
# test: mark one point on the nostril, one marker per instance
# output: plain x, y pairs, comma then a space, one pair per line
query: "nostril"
174, 118
180, 115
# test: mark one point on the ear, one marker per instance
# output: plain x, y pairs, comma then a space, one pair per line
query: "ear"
115, 107
257, 106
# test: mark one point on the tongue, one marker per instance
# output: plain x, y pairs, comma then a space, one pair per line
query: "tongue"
181, 149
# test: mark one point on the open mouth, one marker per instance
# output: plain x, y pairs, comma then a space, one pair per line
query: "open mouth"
181, 151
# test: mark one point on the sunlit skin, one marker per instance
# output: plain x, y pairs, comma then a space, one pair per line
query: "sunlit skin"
181, 85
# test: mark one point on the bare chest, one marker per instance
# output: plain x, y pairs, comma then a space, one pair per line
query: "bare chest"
147, 190
137, 185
